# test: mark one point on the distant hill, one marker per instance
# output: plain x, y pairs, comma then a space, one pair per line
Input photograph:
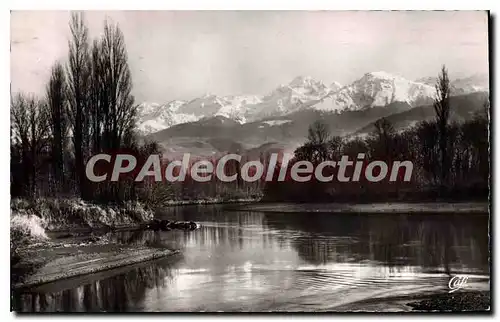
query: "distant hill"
463, 107
219, 134
292, 127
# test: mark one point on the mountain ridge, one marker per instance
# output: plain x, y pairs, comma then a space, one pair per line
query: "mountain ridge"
373, 89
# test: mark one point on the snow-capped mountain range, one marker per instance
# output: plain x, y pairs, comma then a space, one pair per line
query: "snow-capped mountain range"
474, 83
371, 90
378, 89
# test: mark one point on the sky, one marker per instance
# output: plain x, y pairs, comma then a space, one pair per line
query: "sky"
185, 54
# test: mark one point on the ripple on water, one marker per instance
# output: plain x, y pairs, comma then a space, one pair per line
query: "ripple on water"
250, 261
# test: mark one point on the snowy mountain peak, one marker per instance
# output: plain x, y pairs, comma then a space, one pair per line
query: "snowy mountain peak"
207, 95
335, 86
460, 86
154, 117
428, 80
381, 75
308, 83
301, 81
237, 107
378, 88
175, 104
301, 93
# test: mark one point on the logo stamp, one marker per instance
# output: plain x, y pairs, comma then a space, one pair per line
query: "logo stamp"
457, 282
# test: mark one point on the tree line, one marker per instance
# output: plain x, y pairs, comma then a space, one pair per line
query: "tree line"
451, 159
87, 108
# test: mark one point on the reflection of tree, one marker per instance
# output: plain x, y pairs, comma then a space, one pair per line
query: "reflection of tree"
433, 241
234, 242
138, 237
118, 293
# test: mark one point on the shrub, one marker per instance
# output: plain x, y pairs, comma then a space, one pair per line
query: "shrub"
68, 213
25, 229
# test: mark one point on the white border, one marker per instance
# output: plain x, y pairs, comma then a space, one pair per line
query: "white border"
252, 5
200, 5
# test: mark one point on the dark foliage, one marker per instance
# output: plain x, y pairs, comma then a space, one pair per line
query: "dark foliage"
450, 160
88, 110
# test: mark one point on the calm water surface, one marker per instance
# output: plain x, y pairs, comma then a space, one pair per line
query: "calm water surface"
254, 261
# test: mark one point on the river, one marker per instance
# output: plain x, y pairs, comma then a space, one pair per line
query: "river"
255, 261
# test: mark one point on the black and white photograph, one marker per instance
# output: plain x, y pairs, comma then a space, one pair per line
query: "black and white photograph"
250, 161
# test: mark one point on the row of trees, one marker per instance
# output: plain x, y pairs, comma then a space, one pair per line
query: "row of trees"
88, 108
450, 159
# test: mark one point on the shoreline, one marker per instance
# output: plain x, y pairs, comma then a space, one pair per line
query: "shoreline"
372, 208
69, 254
64, 261
478, 301
54, 239
174, 203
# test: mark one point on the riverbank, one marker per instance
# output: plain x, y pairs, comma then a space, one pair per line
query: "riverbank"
68, 214
454, 302
212, 201
260, 262
53, 261
382, 208
55, 239
427, 301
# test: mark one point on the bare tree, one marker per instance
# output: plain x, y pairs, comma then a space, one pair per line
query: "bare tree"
112, 113
30, 131
427, 149
118, 103
384, 132
318, 141
78, 74
383, 128
318, 133
98, 97
442, 109
56, 100
335, 147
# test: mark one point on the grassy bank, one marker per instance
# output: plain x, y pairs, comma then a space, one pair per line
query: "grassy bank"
210, 201
60, 214
31, 221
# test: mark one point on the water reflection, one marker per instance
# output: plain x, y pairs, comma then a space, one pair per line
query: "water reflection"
247, 261
113, 293
447, 242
